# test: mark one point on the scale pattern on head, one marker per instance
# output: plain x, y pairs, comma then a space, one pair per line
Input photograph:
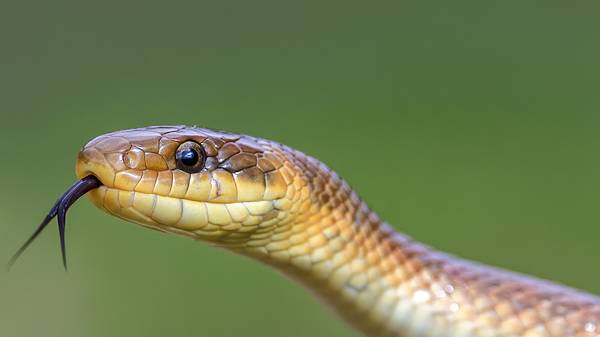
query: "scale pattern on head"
242, 189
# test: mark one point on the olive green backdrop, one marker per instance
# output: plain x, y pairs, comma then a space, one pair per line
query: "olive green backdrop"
470, 125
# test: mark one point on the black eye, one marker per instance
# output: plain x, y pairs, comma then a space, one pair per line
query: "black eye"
190, 157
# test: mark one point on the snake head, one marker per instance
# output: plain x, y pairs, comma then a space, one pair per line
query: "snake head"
232, 190
207, 184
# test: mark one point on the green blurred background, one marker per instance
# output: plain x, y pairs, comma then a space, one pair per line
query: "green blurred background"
470, 125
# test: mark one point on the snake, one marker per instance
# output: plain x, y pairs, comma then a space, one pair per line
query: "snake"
277, 205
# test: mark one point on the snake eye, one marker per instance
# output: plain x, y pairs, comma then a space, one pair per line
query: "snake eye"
190, 157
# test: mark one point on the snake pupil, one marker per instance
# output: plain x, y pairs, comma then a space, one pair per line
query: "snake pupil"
189, 157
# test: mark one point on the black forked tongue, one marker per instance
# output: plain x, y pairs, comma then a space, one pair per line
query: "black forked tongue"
60, 209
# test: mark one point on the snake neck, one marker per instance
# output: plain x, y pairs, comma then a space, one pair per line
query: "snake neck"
350, 263
340, 250
332, 243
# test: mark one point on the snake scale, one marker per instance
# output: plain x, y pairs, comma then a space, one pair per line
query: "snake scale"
277, 205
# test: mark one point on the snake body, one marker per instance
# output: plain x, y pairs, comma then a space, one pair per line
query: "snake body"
277, 205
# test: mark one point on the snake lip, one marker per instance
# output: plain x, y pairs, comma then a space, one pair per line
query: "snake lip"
60, 208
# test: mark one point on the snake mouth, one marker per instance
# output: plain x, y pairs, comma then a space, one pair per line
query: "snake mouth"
60, 208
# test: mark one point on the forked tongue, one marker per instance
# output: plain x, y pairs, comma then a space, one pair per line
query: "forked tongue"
60, 209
